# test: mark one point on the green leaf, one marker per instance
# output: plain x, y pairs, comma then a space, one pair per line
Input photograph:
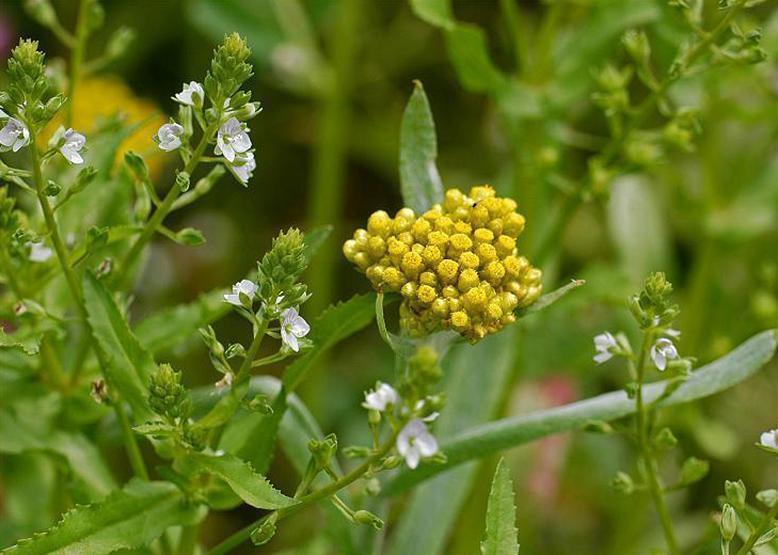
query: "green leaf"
480, 441
126, 519
434, 12
502, 537
315, 239
419, 177
28, 343
550, 298
253, 488
128, 365
434, 507
82, 457
637, 228
469, 53
170, 327
333, 325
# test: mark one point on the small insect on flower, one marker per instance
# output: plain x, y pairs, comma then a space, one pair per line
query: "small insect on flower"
232, 140
769, 439
14, 134
604, 345
662, 351
383, 396
74, 142
293, 327
415, 442
244, 288
243, 166
191, 95
169, 136
39, 252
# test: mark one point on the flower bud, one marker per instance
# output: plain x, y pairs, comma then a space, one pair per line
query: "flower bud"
694, 470
167, 396
728, 524
636, 43
182, 181
323, 450
261, 405
736, 493
190, 236
119, 42
623, 483
52, 188
664, 439
366, 517
265, 531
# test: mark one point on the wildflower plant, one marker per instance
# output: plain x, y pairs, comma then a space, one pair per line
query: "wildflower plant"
449, 279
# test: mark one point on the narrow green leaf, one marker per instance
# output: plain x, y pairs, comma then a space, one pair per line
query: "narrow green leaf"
419, 178
333, 325
550, 298
469, 53
480, 441
126, 519
128, 364
502, 537
28, 343
315, 238
170, 327
82, 457
253, 488
434, 12
433, 507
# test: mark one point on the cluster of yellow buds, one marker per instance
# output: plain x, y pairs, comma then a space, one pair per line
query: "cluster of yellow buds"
456, 266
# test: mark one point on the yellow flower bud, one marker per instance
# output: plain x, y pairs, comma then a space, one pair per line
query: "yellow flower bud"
438, 238
375, 274
493, 273
440, 307
454, 199
406, 214
428, 278
379, 223
447, 271
460, 320
495, 225
463, 227
505, 245
350, 249
479, 216
420, 229
431, 255
362, 260
481, 192
467, 280
426, 294
409, 290
486, 253
458, 243
411, 264
450, 292
469, 260
474, 300
483, 235
376, 247
444, 224
513, 224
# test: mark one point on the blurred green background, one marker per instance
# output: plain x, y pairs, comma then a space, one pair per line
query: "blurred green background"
334, 77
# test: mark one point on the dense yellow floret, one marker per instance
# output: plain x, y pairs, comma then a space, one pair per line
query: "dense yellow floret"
456, 265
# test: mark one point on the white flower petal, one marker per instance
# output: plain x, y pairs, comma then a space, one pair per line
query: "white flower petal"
412, 457
769, 439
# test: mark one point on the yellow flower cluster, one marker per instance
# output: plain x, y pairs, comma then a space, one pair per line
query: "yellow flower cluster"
456, 266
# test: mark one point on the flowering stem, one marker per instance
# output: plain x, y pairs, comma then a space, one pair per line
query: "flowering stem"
131, 444
763, 526
77, 57
167, 204
330, 489
646, 453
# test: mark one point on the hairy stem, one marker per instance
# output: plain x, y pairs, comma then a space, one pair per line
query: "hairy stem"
647, 454
77, 58
330, 489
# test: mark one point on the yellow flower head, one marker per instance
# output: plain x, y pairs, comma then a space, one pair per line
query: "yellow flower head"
456, 265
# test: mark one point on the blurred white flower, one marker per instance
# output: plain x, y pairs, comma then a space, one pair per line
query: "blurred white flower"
415, 442
769, 439
74, 142
169, 136
14, 134
244, 287
381, 397
232, 139
603, 344
662, 351
293, 327
39, 252
243, 166
191, 95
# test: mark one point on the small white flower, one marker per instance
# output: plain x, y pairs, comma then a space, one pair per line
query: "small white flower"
243, 166
381, 397
169, 136
74, 142
415, 442
191, 95
662, 351
769, 439
39, 252
232, 139
14, 134
292, 328
604, 345
243, 287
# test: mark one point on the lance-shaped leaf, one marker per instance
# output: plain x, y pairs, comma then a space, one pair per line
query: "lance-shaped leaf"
253, 488
483, 440
128, 365
126, 519
502, 537
28, 343
419, 178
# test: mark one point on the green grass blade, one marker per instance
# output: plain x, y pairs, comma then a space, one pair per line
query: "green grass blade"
482, 440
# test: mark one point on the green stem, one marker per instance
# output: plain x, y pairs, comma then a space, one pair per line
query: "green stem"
553, 234
76, 58
133, 451
75, 290
654, 485
188, 542
164, 209
330, 489
767, 521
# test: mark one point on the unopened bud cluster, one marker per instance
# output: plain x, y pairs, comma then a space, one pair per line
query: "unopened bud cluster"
456, 265
167, 395
280, 269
